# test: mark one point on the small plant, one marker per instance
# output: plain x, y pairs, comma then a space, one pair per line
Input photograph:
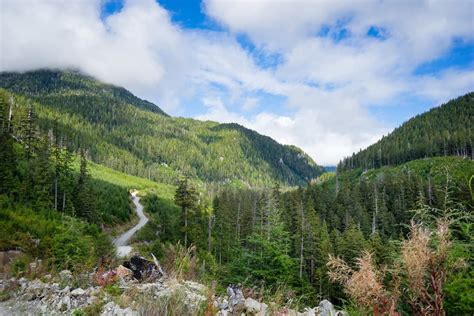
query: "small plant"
113, 289
180, 262
365, 284
426, 267
19, 266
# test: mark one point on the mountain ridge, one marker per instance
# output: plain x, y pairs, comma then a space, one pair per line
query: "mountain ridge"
445, 130
124, 133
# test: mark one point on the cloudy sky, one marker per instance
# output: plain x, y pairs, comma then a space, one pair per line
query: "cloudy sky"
328, 76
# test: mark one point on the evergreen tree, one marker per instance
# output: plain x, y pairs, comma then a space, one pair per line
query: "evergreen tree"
186, 197
82, 196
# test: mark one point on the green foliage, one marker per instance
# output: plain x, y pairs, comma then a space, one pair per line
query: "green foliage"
133, 136
459, 293
263, 261
62, 241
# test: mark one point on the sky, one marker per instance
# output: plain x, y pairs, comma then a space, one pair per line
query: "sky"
330, 77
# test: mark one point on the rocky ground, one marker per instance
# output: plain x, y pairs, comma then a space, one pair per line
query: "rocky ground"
131, 291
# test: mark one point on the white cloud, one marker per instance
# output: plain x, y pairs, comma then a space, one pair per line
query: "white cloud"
327, 83
250, 104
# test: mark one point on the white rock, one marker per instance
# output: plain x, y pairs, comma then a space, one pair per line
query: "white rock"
310, 312
112, 309
252, 306
195, 286
78, 292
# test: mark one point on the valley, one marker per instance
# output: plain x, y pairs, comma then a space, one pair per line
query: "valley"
222, 205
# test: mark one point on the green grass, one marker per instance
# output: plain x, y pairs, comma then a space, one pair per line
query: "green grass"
130, 182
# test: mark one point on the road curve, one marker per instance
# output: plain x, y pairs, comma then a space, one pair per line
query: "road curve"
121, 242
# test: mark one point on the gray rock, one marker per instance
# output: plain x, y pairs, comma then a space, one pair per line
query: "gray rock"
112, 309
236, 297
222, 303
78, 292
326, 308
65, 275
254, 307
65, 304
195, 287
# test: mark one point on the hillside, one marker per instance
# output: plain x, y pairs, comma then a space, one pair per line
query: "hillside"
446, 130
134, 136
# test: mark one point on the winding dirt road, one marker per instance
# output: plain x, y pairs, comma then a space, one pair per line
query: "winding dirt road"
121, 242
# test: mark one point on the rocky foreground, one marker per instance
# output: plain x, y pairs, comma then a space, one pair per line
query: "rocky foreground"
134, 290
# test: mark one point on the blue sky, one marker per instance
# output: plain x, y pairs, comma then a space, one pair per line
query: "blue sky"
329, 77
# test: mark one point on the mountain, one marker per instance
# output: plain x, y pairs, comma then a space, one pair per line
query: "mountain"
446, 130
134, 136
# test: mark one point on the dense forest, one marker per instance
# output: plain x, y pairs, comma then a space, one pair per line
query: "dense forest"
133, 136
272, 239
50, 207
446, 130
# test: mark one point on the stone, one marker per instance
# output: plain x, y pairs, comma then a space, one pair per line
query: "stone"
326, 308
65, 275
112, 309
78, 292
252, 306
236, 297
143, 269
222, 303
66, 290
34, 290
123, 272
195, 287
65, 304
310, 312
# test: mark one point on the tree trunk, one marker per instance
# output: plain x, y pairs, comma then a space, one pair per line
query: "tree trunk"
254, 212
209, 233
302, 242
374, 218
186, 227
56, 194
237, 225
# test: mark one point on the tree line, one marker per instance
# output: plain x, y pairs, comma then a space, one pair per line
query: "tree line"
443, 131
274, 239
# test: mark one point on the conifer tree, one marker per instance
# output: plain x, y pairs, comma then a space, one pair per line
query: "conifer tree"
185, 197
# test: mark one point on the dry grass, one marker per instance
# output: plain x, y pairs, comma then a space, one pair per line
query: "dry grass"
423, 263
364, 284
425, 257
181, 263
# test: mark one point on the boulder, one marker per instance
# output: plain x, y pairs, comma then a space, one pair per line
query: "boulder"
143, 269
326, 308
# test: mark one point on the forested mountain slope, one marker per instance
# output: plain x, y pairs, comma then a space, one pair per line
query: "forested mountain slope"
447, 130
134, 136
